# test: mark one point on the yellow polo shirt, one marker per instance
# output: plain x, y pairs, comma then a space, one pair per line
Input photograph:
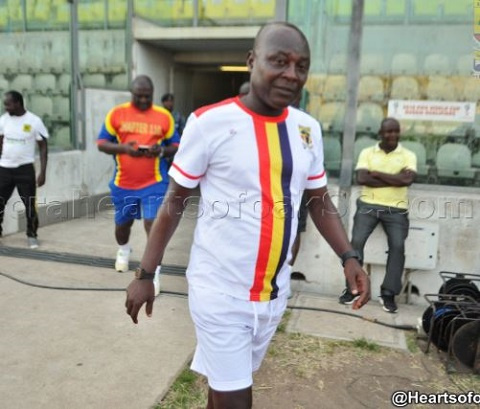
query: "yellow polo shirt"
376, 159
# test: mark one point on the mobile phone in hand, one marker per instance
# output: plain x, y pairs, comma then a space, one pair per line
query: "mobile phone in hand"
143, 148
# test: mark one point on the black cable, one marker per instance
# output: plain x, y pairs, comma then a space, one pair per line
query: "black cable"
351, 314
179, 294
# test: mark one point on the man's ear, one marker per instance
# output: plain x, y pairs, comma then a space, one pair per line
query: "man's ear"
250, 58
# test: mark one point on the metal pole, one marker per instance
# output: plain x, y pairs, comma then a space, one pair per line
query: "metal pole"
196, 13
353, 77
76, 82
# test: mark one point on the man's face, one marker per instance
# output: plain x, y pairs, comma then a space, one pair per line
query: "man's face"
279, 67
168, 104
142, 96
390, 134
11, 106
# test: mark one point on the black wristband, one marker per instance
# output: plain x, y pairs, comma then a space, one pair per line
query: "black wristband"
141, 274
350, 254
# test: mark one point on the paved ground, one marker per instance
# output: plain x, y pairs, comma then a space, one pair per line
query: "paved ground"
63, 348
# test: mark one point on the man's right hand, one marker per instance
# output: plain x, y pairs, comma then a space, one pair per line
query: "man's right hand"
131, 149
138, 293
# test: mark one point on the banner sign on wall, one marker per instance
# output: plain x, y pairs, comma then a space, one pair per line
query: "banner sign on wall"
432, 110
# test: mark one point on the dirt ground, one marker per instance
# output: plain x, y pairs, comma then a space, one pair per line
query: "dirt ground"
306, 372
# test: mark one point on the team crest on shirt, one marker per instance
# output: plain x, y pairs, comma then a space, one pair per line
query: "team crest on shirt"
305, 135
27, 128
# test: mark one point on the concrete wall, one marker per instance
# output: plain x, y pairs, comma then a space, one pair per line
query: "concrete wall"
456, 210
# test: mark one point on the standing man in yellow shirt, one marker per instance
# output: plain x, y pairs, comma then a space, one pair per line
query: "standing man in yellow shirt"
385, 171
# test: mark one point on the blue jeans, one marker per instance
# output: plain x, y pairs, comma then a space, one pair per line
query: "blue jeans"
395, 223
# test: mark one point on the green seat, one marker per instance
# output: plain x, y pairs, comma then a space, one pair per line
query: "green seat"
427, 8
395, 8
420, 152
332, 151
458, 8
454, 160
360, 144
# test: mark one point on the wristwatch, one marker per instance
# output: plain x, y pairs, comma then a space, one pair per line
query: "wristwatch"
350, 254
141, 274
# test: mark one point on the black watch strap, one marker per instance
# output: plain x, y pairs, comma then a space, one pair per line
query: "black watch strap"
350, 254
141, 274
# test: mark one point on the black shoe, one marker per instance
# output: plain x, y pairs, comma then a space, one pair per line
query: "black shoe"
388, 302
347, 297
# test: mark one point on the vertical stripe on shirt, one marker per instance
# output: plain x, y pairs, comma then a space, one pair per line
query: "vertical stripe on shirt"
275, 171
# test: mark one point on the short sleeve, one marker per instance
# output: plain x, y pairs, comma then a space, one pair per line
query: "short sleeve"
107, 132
41, 131
191, 159
317, 177
411, 161
362, 162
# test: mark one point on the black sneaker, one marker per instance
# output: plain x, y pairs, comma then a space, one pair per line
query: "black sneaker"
388, 302
347, 297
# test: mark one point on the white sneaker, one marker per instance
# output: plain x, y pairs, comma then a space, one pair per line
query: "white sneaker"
156, 281
121, 263
33, 242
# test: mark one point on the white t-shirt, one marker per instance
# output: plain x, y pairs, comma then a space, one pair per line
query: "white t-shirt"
252, 171
20, 134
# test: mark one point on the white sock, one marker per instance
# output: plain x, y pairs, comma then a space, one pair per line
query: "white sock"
157, 270
125, 247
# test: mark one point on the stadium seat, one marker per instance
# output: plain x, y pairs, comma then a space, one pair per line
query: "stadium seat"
419, 149
373, 8
342, 9
3, 85
371, 88
94, 80
240, 9
465, 64
44, 84
91, 14
405, 88
404, 64
42, 12
263, 9
215, 9
454, 160
314, 103
476, 160
458, 8
360, 144
3, 17
9, 65
471, 90
396, 8
117, 13
61, 108
372, 64
64, 82
426, 8
22, 83
41, 105
436, 64
335, 88
120, 82
441, 89
62, 138
369, 117
62, 14
315, 83
332, 150
331, 116
338, 64
96, 56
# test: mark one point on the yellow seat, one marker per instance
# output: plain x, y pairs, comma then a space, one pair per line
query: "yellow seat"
441, 89
458, 8
405, 88
215, 9
117, 12
262, 9
371, 88
331, 116
335, 88
183, 10
395, 8
427, 8
373, 8
91, 13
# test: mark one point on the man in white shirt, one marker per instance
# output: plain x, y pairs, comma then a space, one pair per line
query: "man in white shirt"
20, 131
253, 157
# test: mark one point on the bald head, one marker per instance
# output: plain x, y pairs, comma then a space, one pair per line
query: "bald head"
142, 92
274, 26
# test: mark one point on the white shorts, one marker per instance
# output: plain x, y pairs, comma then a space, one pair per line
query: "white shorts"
232, 336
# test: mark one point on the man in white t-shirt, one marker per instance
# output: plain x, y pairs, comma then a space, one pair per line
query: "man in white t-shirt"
20, 131
253, 157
